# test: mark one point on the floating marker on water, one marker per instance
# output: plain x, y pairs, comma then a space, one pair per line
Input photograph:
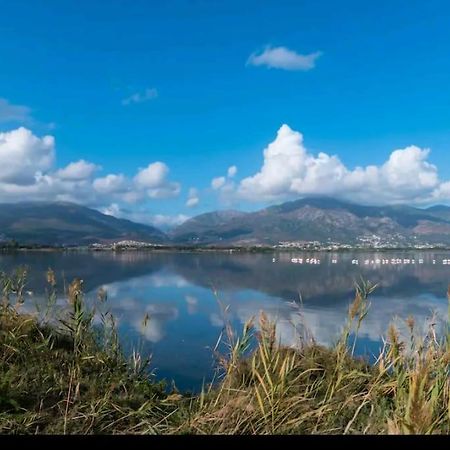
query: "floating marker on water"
368, 262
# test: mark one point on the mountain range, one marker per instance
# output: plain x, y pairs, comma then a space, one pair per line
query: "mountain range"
311, 219
62, 223
318, 219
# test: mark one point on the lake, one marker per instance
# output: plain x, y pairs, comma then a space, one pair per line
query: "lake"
307, 293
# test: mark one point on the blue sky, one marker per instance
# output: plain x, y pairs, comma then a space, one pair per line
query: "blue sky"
122, 85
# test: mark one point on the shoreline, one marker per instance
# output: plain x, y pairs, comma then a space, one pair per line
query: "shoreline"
180, 249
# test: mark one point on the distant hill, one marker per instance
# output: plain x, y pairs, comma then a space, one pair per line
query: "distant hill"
205, 226
61, 223
313, 219
440, 211
318, 219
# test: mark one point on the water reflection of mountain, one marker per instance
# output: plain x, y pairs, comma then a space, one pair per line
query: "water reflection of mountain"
95, 268
319, 284
325, 283
175, 291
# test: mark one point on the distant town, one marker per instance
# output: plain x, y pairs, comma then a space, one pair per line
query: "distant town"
373, 242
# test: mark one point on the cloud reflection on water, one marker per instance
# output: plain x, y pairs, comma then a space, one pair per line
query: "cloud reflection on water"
175, 291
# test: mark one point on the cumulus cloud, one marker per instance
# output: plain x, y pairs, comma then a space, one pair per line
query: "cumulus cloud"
225, 181
442, 191
23, 155
140, 97
79, 170
28, 172
163, 221
225, 186
153, 179
283, 58
193, 198
152, 176
149, 182
289, 170
166, 221
112, 183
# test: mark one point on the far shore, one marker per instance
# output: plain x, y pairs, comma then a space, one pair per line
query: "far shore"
209, 249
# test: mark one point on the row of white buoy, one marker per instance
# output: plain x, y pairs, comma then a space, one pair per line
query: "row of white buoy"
391, 261
306, 261
367, 262
397, 261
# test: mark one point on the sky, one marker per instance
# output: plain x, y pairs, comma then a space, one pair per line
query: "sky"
159, 111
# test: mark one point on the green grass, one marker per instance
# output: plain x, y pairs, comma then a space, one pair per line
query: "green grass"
60, 373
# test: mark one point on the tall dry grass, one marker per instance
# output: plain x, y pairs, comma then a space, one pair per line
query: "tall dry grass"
60, 373
314, 389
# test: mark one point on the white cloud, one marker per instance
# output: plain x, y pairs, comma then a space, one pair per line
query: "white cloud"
167, 221
193, 198
162, 221
283, 58
225, 186
24, 155
112, 183
13, 113
152, 176
289, 170
140, 97
232, 171
442, 191
28, 172
218, 182
169, 190
153, 179
79, 170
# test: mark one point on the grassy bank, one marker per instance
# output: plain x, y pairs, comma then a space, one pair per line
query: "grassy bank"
62, 371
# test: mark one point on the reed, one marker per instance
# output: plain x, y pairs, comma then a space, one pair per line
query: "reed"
62, 373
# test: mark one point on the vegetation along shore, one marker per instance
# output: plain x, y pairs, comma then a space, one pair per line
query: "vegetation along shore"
62, 370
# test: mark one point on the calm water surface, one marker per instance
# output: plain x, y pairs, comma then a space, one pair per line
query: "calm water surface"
177, 291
